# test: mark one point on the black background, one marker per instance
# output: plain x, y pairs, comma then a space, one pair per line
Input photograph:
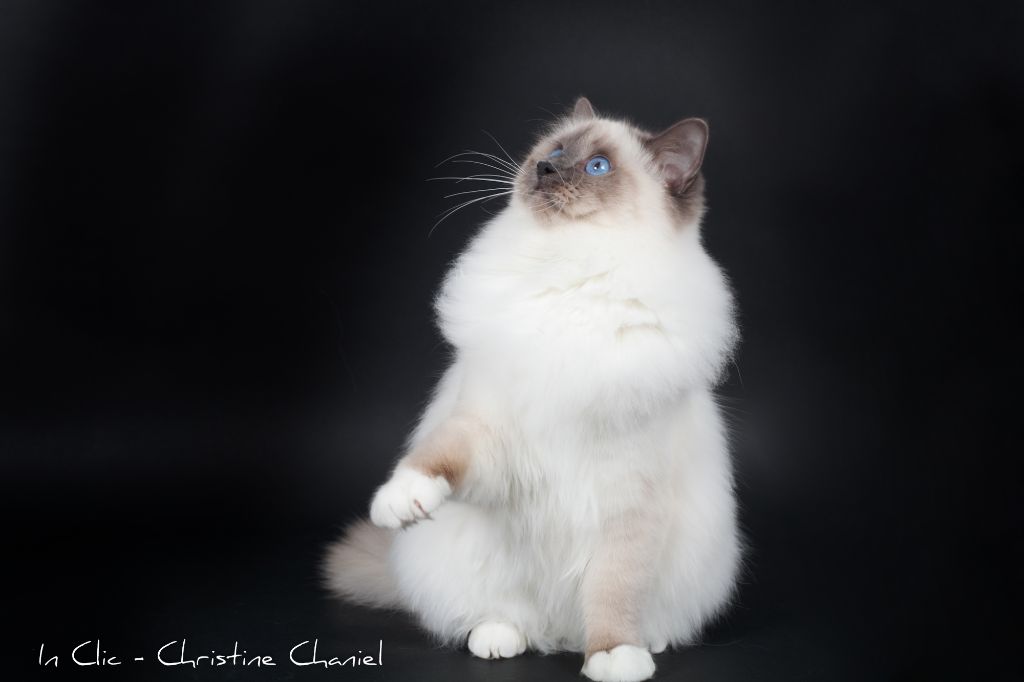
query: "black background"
215, 321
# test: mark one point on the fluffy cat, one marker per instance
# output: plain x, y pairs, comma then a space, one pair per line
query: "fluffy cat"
569, 485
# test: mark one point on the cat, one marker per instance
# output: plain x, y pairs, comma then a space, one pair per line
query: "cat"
569, 485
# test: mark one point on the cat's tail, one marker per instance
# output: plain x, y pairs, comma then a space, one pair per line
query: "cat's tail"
356, 566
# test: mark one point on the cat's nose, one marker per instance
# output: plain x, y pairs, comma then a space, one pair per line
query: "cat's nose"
545, 168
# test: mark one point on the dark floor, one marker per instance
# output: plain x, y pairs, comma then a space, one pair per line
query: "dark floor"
140, 580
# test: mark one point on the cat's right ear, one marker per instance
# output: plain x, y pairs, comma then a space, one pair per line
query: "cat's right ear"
583, 109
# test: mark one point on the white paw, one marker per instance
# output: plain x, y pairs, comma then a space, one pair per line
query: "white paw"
624, 663
495, 639
408, 497
659, 646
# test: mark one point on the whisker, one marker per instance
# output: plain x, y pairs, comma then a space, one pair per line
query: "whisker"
504, 151
454, 156
470, 191
503, 179
481, 163
474, 178
470, 201
464, 204
548, 112
505, 166
512, 167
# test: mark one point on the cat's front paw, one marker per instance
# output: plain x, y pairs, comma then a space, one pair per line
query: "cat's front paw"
408, 497
624, 663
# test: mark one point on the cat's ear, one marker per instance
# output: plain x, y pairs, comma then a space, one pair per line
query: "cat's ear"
678, 152
583, 109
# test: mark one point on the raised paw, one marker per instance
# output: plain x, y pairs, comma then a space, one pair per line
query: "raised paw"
495, 639
624, 663
408, 497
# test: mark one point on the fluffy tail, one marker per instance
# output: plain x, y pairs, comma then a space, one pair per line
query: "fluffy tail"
356, 566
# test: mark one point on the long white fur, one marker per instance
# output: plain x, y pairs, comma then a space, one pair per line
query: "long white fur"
590, 349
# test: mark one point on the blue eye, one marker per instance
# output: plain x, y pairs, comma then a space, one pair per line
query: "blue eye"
598, 165
557, 152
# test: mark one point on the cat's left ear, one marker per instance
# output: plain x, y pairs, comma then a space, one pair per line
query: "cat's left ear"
679, 151
583, 109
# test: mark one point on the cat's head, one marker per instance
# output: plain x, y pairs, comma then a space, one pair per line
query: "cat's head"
590, 167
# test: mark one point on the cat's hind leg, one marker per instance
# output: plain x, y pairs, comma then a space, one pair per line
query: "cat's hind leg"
617, 582
496, 639
456, 573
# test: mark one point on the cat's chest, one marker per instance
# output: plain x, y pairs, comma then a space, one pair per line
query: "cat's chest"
566, 311
589, 303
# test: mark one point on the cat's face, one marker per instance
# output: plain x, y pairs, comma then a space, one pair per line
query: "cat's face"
591, 167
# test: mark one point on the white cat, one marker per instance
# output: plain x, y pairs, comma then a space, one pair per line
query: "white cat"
569, 486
